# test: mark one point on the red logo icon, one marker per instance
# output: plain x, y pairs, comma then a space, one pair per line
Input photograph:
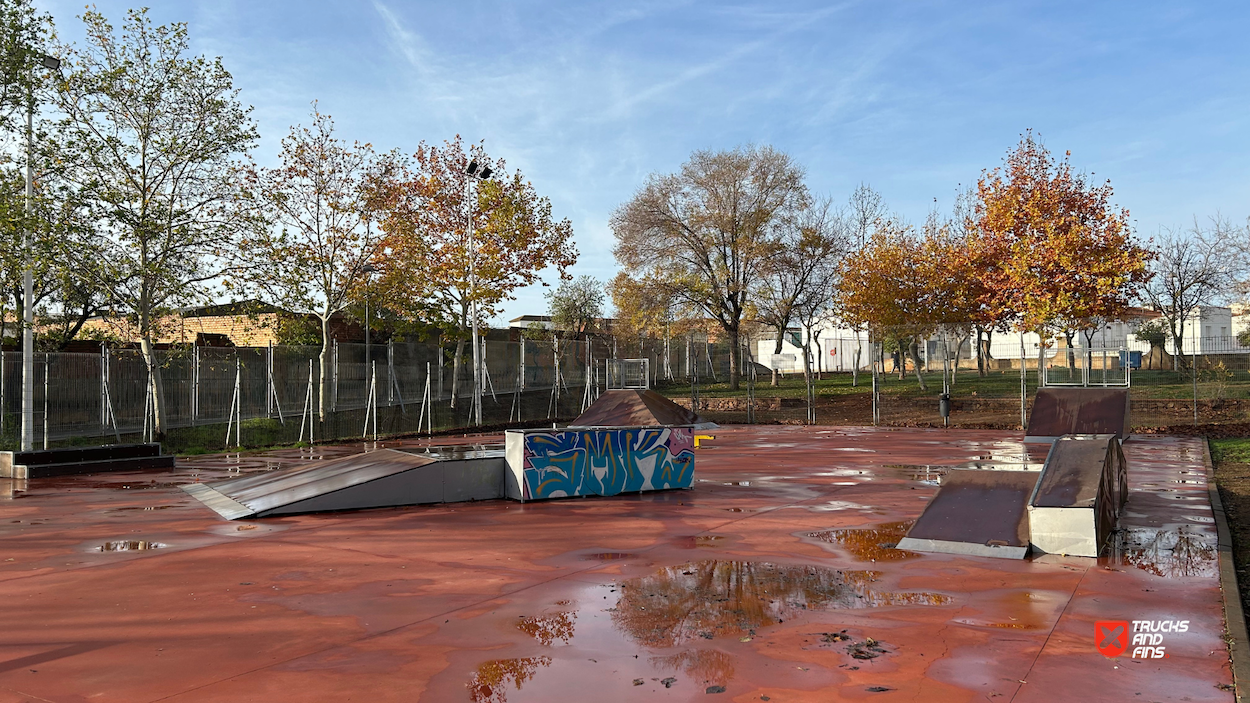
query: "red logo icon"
1111, 637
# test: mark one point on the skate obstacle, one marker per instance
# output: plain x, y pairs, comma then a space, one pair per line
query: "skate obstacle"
1062, 411
1069, 507
648, 448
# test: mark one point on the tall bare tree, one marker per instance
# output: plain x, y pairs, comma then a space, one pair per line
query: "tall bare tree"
706, 232
152, 134
797, 285
1194, 267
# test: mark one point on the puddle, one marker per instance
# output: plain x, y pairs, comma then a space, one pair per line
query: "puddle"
549, 628
608, 556
492, 680
711, 598
705, 666
836, 505
875, 544
141, 508
129, 546
1169, 552
698, 541
736, 510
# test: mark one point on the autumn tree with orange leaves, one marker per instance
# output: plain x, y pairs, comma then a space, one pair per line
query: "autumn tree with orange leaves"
428, 208
1057, 254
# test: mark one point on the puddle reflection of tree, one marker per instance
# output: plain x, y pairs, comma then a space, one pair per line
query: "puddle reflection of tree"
708, 666
1169, 552
713, 598
491, 681
873, 544
549, 628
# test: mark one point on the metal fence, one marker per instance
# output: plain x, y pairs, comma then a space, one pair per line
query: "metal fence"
266, 394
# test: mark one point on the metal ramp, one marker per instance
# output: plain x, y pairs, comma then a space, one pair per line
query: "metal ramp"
376, 479
1061, 411
1083, 487
977, 512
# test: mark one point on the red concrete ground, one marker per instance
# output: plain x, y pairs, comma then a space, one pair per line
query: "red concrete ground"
772, 578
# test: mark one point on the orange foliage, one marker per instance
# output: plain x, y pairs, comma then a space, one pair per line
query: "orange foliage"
1055, 250
426, 265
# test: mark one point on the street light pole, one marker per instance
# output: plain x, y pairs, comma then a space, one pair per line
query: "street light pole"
28, 276
474, 176
28, 294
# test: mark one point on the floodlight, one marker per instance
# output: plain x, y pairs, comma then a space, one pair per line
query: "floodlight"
485, 173
472, 169
50, 62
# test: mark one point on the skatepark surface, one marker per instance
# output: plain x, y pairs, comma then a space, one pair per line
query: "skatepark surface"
773, 579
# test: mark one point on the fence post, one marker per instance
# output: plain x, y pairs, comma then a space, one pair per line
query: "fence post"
334, 380
104, 417
1024, 422
270, 389
195, 385
46, 369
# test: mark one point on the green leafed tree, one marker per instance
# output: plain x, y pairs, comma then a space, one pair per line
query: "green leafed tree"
151, 136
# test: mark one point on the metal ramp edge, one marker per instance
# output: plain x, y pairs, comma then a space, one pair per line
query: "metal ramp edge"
222, 504
377, 479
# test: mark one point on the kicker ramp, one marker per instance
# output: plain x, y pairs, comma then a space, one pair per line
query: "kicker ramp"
976, 512
638, 408
376, 479
1061, 411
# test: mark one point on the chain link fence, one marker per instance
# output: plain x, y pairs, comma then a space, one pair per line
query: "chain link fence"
268, 395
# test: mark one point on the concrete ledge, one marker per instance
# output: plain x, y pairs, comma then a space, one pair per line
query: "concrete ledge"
967, 548
1234, 616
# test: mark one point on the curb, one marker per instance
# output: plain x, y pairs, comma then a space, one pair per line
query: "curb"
1234, 616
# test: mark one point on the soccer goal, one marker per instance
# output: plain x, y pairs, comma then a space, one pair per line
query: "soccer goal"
633, 374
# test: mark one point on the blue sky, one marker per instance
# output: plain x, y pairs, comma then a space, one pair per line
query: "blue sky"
913, 98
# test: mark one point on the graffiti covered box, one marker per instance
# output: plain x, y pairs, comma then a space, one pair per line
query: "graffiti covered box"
605, 461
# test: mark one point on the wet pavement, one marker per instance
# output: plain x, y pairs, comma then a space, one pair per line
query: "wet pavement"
773, 579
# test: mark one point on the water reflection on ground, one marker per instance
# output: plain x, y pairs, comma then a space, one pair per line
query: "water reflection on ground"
549, 628
711, 598
706, 666
493, 679
873, 544
1170, 552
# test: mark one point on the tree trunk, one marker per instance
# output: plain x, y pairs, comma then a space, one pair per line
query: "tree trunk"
913, 350
980, 355
1069, 336
855, 366
158, 386
776, 350
902, 359
323, 397
819, 352
455, 370
734, 337
1178, 340
807, 382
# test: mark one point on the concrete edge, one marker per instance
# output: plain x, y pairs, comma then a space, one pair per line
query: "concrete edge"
915, 544
1234, 616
